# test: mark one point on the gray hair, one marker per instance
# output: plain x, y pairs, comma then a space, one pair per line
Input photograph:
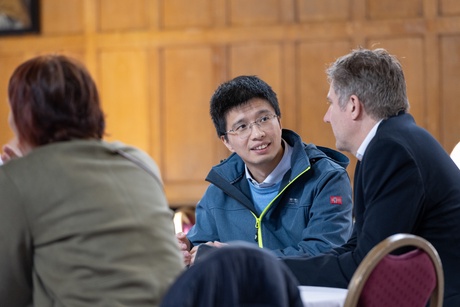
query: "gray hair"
375, 77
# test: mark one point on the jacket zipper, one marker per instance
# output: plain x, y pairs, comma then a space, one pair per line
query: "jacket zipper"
258, 235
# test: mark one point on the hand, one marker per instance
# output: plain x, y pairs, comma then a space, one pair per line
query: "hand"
10, 151
216, 244
193, 254
184, 246
195, 249
184, 243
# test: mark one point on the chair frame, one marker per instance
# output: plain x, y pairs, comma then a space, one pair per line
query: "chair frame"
384, 248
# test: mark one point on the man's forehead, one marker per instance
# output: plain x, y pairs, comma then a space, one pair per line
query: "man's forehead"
331, 93
255, 106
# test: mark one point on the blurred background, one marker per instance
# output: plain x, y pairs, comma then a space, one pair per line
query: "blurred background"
157, 63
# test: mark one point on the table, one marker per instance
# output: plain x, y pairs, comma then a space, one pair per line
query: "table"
322, 296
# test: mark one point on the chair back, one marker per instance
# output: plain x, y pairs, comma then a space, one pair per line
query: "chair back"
408, 279
184, 219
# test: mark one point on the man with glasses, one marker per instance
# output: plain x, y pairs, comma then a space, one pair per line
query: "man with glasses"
273, 190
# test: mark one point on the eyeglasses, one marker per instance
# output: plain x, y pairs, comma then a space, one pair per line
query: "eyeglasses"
244, 130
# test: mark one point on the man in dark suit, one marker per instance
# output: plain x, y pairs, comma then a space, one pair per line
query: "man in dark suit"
405, 182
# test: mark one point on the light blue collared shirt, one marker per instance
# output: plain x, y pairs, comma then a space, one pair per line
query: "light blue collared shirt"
277, 174
264, 192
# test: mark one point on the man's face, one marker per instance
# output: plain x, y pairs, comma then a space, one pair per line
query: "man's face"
261, 150
339, 120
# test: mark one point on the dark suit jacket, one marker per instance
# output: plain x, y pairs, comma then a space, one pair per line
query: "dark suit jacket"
405, 183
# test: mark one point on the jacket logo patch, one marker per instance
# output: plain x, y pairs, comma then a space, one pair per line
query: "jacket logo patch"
335, 200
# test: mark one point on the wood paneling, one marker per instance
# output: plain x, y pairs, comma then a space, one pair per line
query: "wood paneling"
157, 63
186, 125
116, 15
61, 17
391, 9
253, 12
8, 63
186, 14
450, 91
324, 10
261, 59
449, 7
124, 94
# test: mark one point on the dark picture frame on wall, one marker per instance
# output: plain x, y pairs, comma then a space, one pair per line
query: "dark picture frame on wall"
19, 17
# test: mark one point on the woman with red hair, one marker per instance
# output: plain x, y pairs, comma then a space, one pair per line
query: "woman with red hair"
82, 221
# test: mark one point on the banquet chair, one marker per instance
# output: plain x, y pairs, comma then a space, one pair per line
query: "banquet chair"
408, 279
184, 219
237, 275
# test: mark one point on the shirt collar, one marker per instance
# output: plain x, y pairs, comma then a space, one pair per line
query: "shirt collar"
277, 174
367, 140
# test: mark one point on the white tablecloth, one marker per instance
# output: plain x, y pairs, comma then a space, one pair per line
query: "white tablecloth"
322, 296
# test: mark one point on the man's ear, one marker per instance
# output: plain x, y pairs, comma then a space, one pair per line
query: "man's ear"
226, 143
356, 107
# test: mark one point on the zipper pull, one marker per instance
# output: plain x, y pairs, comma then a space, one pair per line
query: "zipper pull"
256, 236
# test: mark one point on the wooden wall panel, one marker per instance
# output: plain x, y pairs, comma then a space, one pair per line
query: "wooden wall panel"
124, 94
61, 17
186, 14
8, 62
115, 15
450, 91
391, 9
322, 10
287, 93
154, 86
261, 59
253, 12
449, 7
410, 52
188, 130
188, 135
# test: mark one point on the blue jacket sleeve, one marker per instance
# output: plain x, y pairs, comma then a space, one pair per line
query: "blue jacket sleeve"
205, 229
329, 217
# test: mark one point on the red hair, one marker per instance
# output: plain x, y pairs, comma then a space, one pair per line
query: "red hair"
53, 98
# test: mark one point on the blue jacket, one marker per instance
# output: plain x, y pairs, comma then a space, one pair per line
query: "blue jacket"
312, 212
